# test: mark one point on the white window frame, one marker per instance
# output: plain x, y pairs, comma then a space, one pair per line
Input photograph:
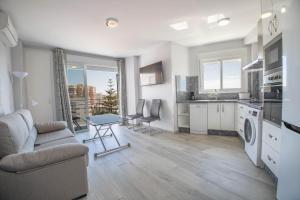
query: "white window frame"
219, 57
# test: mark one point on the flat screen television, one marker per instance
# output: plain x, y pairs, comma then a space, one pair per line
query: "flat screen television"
152, 74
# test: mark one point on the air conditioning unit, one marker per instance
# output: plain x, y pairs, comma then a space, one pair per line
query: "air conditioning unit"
8, 34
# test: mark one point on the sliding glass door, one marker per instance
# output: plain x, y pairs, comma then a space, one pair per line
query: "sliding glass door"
78, 97
93, 91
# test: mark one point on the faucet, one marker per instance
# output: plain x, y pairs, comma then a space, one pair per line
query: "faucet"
216, 94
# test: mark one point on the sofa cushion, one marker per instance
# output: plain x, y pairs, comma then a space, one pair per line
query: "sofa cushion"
26, 114
29, 144
13, 134
56, 135
56, 142
50, 126
36, 159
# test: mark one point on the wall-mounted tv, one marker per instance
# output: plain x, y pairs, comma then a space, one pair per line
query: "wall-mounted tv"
152, 74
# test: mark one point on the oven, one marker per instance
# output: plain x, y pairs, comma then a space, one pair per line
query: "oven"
273, 104
273, 55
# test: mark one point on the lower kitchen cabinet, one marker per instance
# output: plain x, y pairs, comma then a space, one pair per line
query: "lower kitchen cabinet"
214, 116
227, 116
221, 116
198, 118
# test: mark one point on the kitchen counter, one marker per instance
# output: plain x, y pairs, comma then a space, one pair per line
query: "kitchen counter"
209, 101
252, 104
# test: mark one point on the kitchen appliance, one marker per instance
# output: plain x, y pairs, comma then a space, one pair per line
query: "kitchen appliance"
273, 55
273, 98
253, 134
273, 82
244, 95
289, 169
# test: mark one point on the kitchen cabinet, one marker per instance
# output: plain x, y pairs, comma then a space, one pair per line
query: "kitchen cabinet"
198, 118
214, 116
272, 26
221, 116
271, 140
240, 119
227, 116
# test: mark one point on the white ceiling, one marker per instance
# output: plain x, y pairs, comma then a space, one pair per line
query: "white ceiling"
79, 24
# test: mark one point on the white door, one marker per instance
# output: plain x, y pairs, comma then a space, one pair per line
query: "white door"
198, 118
227, 116
214, 116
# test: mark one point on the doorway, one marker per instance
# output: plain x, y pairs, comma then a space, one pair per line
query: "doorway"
93, 90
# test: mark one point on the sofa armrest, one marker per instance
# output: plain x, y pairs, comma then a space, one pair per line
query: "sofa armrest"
37, 159
50, 126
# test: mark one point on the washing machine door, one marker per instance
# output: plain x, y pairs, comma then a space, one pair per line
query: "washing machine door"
249, 131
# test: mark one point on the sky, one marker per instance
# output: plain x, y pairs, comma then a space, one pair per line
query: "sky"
94, 78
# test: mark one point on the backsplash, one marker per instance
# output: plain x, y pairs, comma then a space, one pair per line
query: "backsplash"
186, 85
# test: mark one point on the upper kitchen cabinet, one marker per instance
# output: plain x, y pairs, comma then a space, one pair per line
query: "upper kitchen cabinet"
272, 13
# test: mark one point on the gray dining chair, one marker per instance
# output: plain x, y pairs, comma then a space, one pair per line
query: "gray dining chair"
139, 113
154, 113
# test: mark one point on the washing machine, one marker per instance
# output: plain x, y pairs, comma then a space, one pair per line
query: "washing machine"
253, 134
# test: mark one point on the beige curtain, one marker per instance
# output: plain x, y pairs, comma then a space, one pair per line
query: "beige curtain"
63, 107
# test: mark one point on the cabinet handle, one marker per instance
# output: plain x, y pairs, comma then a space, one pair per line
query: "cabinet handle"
270, 136
241, 117
275, 139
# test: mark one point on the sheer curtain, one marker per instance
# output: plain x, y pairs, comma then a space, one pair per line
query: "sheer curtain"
63, 107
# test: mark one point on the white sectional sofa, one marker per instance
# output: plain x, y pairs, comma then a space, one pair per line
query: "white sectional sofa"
40, 161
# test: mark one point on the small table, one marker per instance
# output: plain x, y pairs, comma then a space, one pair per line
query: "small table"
104, 122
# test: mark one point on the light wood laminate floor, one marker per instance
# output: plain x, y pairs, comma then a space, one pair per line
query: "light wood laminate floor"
175, 167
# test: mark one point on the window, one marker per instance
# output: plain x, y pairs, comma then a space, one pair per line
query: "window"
212, 78
222, 75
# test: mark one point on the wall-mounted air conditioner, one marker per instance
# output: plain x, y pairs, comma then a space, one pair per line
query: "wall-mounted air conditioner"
8, 34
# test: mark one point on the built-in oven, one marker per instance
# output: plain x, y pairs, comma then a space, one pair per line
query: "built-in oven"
273, 98
273, 81
273, 55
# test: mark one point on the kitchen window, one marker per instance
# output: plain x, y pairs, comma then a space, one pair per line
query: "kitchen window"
223, 75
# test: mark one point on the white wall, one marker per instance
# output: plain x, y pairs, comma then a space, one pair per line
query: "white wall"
158, 53
6, 90
40, 86
18, 65
175, 62
132, 83
195, 52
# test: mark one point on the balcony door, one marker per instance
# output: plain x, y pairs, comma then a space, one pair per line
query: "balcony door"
93, 90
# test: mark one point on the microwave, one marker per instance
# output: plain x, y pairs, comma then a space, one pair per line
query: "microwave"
273, 55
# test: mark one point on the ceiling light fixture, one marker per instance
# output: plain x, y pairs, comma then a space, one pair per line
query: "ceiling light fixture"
224, 21
112, 22
180, 26
266, 15
283, 9
214, 18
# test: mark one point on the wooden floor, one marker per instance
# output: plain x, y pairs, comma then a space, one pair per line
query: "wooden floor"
175, 167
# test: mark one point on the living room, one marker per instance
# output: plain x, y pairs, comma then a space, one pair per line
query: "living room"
167, 99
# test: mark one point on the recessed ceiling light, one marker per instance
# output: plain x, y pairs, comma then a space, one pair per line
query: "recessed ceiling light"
224, 21
266, 15
283, 9
111, 22
180, 26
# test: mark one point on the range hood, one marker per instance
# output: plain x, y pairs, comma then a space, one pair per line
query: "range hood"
256, 63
